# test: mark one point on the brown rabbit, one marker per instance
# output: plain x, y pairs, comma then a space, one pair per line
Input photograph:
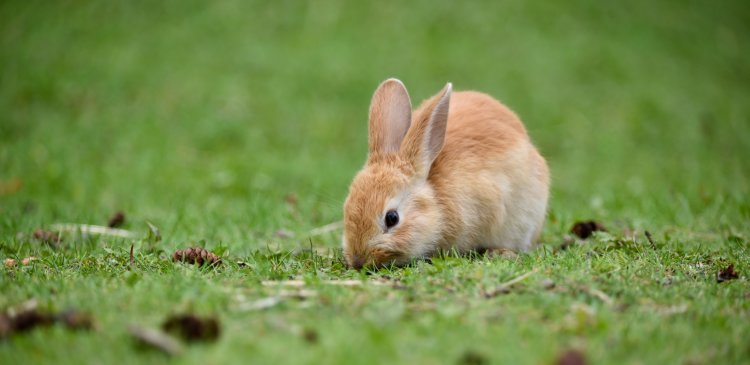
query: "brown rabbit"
460, 173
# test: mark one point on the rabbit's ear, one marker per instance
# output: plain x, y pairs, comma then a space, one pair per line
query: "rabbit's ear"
426, 137
390, 117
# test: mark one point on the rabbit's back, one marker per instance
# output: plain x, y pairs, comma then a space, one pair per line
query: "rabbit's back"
490, 180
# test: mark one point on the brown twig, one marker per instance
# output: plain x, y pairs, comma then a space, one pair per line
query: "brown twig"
301, 283
650, 239
92, 229
504, 288
330, 227
598, 294
131, 256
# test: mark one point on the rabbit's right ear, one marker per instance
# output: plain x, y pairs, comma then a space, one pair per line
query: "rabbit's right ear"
390, 118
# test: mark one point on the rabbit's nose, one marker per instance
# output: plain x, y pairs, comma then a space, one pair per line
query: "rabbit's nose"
357, 263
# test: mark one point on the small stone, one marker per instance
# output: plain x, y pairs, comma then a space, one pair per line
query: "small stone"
548, 284
26, 261
9, 263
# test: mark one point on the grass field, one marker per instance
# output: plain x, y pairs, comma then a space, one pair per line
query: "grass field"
207, 119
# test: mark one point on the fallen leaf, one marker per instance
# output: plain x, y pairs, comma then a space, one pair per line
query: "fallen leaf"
571, 357
193, 328
116, 220
727, 274
155, 339
585, 229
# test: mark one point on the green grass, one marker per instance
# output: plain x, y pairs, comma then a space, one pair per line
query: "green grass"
201, 117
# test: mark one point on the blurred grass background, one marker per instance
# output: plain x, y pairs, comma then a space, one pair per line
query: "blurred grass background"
203, 117
181, 110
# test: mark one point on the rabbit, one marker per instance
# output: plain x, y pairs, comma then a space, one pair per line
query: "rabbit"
459, 173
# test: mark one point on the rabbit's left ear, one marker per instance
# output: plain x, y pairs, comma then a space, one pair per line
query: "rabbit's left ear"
390, 117
426, 136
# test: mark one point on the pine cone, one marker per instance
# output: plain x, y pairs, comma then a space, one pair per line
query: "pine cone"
585, 229
196, 255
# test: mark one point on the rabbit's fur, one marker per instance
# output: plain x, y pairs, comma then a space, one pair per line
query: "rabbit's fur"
460, 172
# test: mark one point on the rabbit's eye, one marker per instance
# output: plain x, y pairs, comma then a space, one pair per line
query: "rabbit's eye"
391, 218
